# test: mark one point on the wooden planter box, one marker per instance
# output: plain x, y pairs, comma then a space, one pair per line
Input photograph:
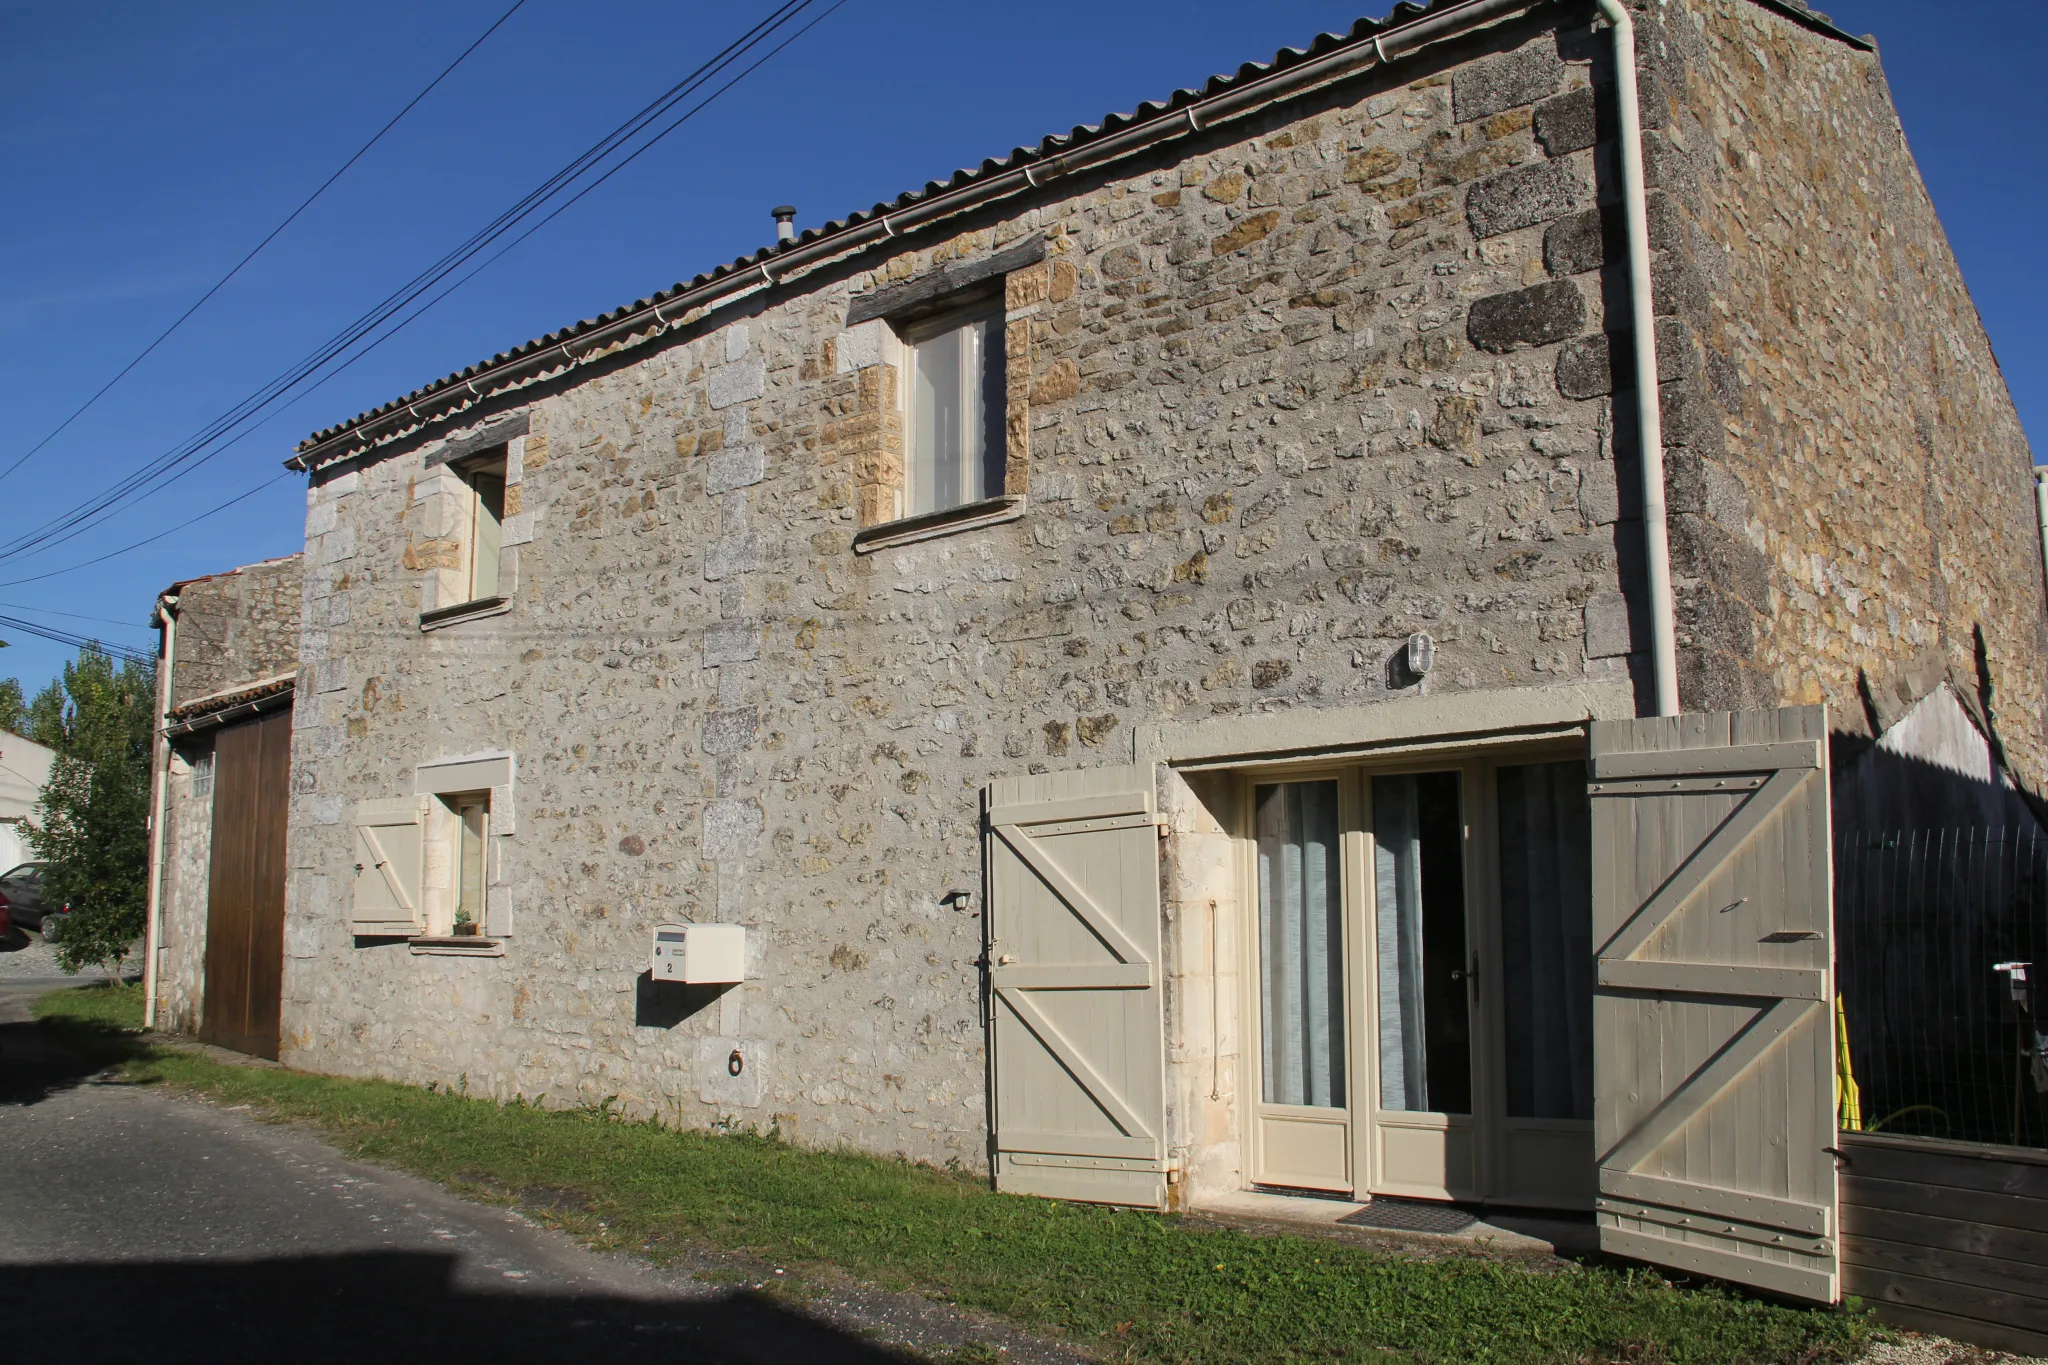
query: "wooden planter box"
1948, 1237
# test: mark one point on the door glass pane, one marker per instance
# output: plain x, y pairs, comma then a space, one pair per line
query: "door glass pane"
1301, 956
1546, 912
1425, 1026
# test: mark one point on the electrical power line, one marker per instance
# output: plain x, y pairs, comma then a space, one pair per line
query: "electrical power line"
243, 496
256, 250
65, 637
193, 453
73, 615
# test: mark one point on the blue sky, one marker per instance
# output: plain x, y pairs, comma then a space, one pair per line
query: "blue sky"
148, 147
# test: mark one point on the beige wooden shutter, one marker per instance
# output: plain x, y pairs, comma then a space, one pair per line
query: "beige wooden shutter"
386, 855
1076, 1034
1713, 1072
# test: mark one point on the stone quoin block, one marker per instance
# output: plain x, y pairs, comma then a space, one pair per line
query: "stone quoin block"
1545, 313
1521, 77
1525, 196
730, 732
1585, 367
737, 466
1568, 123
737, 382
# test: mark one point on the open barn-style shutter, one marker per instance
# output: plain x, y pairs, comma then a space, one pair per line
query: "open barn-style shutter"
386, 854
1076, 1033
1713, 1071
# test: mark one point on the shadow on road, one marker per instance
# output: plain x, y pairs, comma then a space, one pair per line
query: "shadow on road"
385, 1307
39, 1059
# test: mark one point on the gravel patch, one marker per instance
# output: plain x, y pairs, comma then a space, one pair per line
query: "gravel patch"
1914, 1348
27, 955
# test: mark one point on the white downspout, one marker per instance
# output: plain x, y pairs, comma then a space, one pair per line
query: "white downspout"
2041, 508
160, 781
1643, 319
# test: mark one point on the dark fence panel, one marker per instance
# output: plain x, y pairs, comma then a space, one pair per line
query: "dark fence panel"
1948, 1237
1938, 1045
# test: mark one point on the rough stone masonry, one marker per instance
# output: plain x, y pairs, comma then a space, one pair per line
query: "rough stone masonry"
1279, 394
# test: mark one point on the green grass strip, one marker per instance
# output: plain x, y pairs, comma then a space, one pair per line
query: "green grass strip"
1131, 1286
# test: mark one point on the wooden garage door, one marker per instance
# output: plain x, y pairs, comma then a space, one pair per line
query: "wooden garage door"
1713, 1061
1076, 1034
245, 886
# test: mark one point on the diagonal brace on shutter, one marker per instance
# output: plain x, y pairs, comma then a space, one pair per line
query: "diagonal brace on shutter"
382, 861
1067, 1055
1736, 1056
1070, 893
1740, 827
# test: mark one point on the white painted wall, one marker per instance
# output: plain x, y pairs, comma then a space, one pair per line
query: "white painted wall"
24, 771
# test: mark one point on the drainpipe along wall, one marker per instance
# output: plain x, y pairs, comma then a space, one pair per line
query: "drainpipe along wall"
1643, 321
160, 778
2041, 508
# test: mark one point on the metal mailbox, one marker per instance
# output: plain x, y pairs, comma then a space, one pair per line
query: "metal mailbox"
699, 954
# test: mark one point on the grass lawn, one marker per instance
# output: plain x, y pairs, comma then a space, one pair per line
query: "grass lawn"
1128, 1286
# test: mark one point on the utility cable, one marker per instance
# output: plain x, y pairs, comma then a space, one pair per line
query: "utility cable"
188, 456
478, 269
73, 615
243, 496
257, 250
81, 642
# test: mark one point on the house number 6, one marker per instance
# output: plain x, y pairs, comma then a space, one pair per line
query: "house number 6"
735, 1064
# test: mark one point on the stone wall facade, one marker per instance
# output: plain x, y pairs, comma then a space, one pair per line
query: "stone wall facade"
234, 629
1280, 396
1850, 482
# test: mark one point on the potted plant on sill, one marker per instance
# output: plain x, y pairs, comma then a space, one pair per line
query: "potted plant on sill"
465, 927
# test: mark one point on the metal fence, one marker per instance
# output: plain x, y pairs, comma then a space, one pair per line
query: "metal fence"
1942, 955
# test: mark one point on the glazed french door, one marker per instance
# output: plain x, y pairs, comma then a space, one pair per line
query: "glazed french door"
1423, 965
1301, 944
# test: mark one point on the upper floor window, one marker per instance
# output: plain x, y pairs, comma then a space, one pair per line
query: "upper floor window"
485, 515
953, 423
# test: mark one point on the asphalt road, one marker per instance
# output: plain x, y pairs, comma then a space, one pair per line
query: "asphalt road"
142, 1226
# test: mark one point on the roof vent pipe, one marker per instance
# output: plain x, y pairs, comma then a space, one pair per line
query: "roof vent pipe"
785, 222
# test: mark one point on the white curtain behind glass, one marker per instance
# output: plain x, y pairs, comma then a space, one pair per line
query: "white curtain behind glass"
947, 419
1301, 984
1397, 898
1546, 908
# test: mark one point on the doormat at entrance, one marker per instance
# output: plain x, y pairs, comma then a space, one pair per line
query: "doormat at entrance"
1410, 1215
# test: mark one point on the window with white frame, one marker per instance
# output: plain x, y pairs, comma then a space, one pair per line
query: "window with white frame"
954, 409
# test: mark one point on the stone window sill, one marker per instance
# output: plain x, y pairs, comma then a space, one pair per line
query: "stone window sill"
464, 611
428, 946
971, 516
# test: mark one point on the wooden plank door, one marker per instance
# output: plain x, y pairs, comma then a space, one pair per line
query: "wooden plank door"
1076, 1030
245, 885
1713, 1063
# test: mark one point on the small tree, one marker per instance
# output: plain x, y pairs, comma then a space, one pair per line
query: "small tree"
92, 823
41, 720
13, 709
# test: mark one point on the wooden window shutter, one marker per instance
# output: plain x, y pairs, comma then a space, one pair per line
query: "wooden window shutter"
387, 855
1713, 1064
1076, 1030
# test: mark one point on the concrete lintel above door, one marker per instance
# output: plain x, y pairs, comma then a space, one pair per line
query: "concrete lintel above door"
1342, 730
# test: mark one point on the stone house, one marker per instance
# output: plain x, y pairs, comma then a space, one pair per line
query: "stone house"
1124, 630
228, 658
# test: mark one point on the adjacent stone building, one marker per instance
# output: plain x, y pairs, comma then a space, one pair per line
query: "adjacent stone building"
230, 642
1251, 478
